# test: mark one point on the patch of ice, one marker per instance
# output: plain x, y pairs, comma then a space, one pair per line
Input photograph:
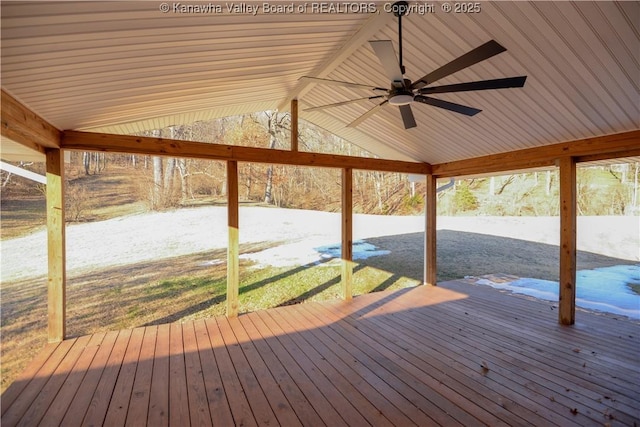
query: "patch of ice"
310, 252
605, 289
361, 250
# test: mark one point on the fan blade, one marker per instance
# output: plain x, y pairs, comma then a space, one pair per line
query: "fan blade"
479, 85
387, 57
339, 83
407, 116
337, 104
366, 115
467, 111
474, 56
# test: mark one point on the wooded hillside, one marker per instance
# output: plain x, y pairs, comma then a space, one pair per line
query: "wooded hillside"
157, 183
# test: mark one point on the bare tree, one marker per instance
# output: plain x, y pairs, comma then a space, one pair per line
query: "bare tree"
276, 125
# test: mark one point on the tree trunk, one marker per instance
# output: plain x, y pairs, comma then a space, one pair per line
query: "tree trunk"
268, 188
96, 163
184, 182
86, 162
168, 178
157, 183
249, 182
378, 185
548, 186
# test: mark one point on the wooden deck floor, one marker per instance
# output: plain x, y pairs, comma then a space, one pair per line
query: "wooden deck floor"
457, 354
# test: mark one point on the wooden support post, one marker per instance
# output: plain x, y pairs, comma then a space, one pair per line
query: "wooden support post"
294, 125
430, 269
347, 233
568, 229
56, 283
233, 250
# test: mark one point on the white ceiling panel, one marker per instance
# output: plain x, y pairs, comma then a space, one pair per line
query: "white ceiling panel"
123, 67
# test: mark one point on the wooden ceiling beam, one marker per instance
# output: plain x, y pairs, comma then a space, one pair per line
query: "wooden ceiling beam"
619, 145
92, 141
21, 125
623, 154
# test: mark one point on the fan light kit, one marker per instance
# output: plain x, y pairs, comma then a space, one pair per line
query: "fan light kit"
403, 91
400, 95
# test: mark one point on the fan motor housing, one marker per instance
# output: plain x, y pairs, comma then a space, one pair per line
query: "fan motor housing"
400, 97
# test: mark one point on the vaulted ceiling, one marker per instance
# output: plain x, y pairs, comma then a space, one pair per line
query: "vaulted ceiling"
123, 67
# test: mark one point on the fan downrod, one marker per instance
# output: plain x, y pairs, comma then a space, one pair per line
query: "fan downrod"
400, 8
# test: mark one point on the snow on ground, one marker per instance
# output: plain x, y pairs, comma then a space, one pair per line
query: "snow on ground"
160, 235
302, 234
304, 237
604, 289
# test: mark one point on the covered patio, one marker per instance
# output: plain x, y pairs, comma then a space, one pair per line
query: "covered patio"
455, 354
93, 76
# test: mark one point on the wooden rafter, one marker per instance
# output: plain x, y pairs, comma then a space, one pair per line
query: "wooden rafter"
597, 148
90, 141
21, 125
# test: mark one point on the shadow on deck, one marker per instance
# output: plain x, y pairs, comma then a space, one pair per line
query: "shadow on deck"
456, 354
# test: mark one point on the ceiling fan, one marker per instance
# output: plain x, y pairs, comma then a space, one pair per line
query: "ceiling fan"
403, 91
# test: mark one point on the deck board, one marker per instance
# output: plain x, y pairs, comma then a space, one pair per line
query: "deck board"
139, 402
456, 354
178, 393
301, 378
158, 412
117, 412
105, 391
80, 404
69, 389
